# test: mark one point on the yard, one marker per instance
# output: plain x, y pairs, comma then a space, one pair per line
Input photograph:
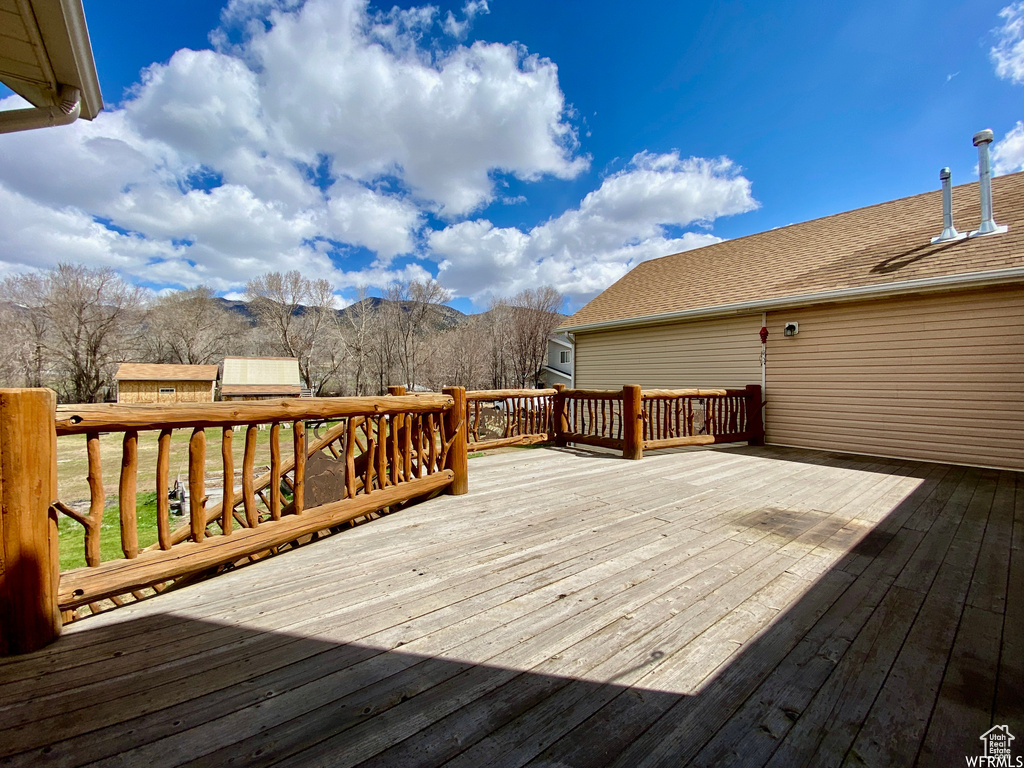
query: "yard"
73, 486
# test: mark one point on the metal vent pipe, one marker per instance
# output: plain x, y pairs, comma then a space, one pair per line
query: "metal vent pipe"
988, 225
948, 230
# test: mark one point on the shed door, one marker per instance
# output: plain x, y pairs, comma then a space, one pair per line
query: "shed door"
937, 378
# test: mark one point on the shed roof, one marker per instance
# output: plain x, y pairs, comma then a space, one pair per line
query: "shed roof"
162, 372
273, 371
885, 247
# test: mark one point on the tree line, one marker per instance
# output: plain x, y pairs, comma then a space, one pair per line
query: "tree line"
68, 329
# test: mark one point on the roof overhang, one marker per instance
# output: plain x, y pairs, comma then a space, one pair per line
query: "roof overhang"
556, 372
44, 50
924, 285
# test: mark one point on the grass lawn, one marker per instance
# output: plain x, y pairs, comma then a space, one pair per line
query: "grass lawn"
72, 535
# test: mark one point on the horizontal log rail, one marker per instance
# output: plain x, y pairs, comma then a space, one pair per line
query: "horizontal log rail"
651, 394
581, 438
501, 394
506, 442
111, 417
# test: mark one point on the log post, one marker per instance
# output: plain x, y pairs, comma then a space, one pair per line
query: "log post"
126, 495
755, 419
632, 421
458, 455
299, 454
29, 563
400, 436
197, 483
559, 422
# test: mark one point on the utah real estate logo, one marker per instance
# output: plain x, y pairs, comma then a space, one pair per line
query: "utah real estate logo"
998, 750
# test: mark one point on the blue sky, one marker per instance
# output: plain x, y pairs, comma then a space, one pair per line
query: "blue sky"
496, 145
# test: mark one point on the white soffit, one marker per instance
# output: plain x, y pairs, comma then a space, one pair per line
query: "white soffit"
44, 44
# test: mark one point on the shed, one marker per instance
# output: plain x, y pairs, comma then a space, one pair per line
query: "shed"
158, 383
259, 378
898, 346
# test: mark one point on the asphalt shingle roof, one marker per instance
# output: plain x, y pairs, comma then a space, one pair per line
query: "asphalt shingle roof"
165, 372
885, 243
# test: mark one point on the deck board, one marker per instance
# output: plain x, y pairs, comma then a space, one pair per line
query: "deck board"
733, 605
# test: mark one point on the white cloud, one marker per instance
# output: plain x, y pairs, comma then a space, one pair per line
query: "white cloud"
317, 132
459, 29
86, 165
40, 236
379, 103
314, 129
1008, 153
363, 217
1008, 52
616, 227
202, 103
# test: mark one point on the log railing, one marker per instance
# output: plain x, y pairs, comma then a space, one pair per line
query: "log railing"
501, 417
591, 417
677, 417
633, 420
375, 454
365, 455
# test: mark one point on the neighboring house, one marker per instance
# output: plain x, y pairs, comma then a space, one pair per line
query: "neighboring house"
902, 347
154, 383
258, 378
46, 58
559, 364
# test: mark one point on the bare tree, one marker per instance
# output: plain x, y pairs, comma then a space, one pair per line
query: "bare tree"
534, 317
297, 313
357, 328
499, 344
383, 344
85, 321
192, 328
414, 313
25, 326
457, 357
520, 327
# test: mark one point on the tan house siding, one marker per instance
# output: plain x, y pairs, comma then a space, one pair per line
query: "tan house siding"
149, 392
937, 378
714, 353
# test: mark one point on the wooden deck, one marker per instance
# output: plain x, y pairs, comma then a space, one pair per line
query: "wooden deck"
753, 606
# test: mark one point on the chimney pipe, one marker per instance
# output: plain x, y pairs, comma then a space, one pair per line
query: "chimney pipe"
988, 225
948, 230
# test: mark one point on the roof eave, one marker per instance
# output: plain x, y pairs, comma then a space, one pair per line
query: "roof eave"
64, 39
922, 285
